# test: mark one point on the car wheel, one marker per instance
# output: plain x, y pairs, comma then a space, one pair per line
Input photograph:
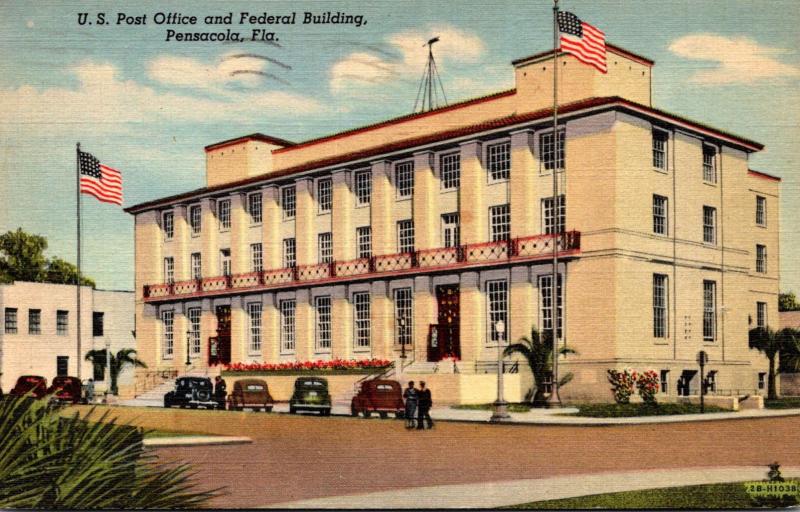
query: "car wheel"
292, 410
268, 409
326, 412
193, 406
399, 415
353, 411
167, 405
384, 415
367, 413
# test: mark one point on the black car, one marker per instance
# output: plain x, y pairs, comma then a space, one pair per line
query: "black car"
193, 392
311, 394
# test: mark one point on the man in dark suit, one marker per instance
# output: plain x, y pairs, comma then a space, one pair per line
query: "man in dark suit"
220, 391
424, 407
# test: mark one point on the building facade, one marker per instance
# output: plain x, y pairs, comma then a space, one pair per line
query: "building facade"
416, 235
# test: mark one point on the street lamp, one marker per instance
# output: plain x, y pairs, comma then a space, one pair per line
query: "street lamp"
401, 322
188, 344
702, 359
108, 367
500, 405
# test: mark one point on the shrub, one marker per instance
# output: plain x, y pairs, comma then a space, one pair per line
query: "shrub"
647, 383
622, 384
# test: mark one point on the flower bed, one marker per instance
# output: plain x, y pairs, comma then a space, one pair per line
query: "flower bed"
335, 366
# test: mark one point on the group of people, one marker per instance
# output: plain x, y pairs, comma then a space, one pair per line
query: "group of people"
418, 403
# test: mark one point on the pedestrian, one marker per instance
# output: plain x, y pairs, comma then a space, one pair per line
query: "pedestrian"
220, 391
89, 391
411, 397
425, 404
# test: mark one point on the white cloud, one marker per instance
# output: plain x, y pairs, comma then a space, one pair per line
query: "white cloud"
740, 60
185, 71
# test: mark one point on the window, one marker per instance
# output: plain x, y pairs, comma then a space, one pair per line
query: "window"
762, 380
709, 225
665, 381
11, 321
287, 308
404, 179
62, 366
497, 302
224, 214
97, 323
405, 236
546, 301
325, 195
547, 215
761, 259
709, 310
62, 322
289, 253
323, 310
35, 322
498, 161
709, 164
761, 211
325, 247
403, 316
197, 268
254, 207
254, 314
660, 149
547, 150
500, 222
711, 381
363, 187
761, 315
169, 269
168, 222
194, 331
225, 262
364, 240
289, 202
362, 320
168, 335
195, 218
660, 304
256, 257
99, 369
450, 230
450, 171
659, 215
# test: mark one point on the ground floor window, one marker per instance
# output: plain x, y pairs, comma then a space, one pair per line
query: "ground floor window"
709, 310
167, 333
665, 381
761, 315
361, 317
762, 381
497, 308
660, 294
254, 314
287, 308
62, 366
194, 330
323, 310
403, 315
546, 303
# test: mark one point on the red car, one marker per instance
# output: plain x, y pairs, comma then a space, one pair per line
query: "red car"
65, 390
35, 384
378, 395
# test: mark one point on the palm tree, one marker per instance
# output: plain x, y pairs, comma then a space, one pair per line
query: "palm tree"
124, 357
538, 351
773, 343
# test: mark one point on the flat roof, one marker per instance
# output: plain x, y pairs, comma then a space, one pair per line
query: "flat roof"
246, 138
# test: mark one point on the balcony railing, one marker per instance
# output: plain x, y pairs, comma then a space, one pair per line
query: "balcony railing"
515, 249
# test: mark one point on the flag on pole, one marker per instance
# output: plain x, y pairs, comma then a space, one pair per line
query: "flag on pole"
99, 180
585, 42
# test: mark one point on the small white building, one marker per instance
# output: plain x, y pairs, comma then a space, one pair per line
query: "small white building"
39, 335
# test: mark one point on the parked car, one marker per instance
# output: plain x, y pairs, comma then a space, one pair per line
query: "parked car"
35, 384
250, 393
65, 390
378, 395
311, 394
192, 392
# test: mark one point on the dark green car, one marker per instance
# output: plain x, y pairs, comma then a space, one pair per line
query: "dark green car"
311, 394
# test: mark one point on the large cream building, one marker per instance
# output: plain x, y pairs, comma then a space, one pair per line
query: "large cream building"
428, 228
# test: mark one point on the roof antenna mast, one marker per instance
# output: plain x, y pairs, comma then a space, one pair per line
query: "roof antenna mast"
428, 92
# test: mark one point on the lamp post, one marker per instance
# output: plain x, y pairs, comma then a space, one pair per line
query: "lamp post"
702, 359
500, 413
108, 367
188, 344
401, 322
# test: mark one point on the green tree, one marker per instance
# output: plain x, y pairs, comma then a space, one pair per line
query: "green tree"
788, 302
123, 358
537, 349
63, 272
773, 344
22, 259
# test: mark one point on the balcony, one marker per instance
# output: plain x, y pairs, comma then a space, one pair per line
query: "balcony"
515, 250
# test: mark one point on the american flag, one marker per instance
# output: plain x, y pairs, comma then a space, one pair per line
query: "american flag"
585, 42
99, 180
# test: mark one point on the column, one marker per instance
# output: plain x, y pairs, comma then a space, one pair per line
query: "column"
209, 231
305, 232
240, 250
381, 321
524, 208
522, 304
342, 320
208, 328
271, 339
473, 215
426, 189
180, 242
344, 247
270, 226
425, 311
304, 326
238, 330
381, 218
473, 312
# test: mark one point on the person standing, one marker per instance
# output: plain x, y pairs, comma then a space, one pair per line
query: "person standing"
425, 404
90, 391
411, 397
220, 391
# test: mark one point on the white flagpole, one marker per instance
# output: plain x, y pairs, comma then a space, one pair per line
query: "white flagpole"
78, 287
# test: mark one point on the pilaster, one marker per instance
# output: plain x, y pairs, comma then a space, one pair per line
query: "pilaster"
342, 313
305, 233
239, 223
426, 188
473, 215
522, 196
472, 312
180, 242
209, 234
270, 227
344, 248
425, 311
381, 218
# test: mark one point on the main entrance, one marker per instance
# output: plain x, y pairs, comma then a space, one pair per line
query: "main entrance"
443, 337
219, 346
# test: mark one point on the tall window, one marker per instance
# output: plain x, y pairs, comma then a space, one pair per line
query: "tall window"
660, 304
659, 215
547, 150
11, 321
362, 320
325, 195
404, 179
364, 236
665, 381
98, 319
224, 214
761, 211
194, 331
403, 316
35, 321
497, 303
256, 257
709, 310
197, 266
363, 187
323, 311
551, 225
500, 222
62, 322
254, 314
450, 170
498, 161
168, 221
289, 253
761, 259
289, 202
167, 333
225, 261
254, 207
709, 225
169, 269
660, 149
546, 301
709, 164
287, 308
195, 218
761, 315
325, 245
451, 235
405, 236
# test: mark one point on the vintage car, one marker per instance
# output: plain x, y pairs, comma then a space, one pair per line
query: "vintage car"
250, 393
65, 390
311, 394
192, 392
34, 384
378, 395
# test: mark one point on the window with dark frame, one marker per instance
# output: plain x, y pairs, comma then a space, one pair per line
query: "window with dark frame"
660, 139
224, 214
195, 218
322, 305
500, 222
35, 321
361, 318
761, 259
709, 225
709, 164
405, 236
546, 303
256, 257
451, 235
404, 179
761, 211
709, 310
761, 315
660, 305
364, 241
289, 253
363, 187
325, 195
450, 171
98, 318
168, 222
255, 207
498, 161
289, 202
403, 309
62, 322
547, 150
11, 321
659, 215
665, 381
325, 246
548, 215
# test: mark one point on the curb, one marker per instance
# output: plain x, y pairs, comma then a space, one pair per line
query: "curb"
163, 442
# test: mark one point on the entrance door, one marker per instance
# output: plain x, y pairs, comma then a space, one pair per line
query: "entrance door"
443, 341
219, 347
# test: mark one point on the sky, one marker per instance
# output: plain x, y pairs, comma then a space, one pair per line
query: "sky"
147, 106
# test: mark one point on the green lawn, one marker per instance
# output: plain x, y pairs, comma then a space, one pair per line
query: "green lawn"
630, 410
792, 402
486, 407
